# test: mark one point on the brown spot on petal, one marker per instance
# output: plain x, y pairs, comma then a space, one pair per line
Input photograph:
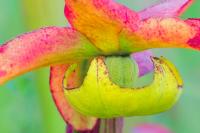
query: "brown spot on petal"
180, 86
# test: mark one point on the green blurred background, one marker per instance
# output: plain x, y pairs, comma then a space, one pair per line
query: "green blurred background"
26, 105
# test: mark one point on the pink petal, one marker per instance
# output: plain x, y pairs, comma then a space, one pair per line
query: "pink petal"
151, 128
40, 48
166, 8
144, 62
100, 21
164, 33
78, 121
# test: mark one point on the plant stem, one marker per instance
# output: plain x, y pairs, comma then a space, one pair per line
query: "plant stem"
114, 125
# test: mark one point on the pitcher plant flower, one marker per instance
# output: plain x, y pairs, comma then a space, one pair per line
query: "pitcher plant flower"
95, 62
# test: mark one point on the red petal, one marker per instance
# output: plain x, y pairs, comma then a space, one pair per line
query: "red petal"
195, 41
78, 121
40, 48
100, 21
167, 8
164, 33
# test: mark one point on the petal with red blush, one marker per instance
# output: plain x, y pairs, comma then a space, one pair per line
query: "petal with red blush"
100, 21
40, 48
72, 117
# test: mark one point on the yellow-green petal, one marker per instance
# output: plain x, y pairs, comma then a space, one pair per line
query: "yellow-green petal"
101, 98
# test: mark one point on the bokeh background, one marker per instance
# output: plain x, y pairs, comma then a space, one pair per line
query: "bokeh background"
26, 105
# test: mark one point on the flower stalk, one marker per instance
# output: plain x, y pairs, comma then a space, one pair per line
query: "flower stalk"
114, 125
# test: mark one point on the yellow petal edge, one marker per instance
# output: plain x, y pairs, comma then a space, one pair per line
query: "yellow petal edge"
101, 98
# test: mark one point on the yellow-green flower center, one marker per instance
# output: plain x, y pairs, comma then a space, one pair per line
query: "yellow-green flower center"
99, 96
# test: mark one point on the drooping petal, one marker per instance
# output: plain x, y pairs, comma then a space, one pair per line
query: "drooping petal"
151, 128
163, 33
46, 46
100, 21
77, 120
104, 99
144, 62
166, 8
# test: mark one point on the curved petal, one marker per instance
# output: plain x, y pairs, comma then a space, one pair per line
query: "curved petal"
166, 8
144, 61
100, 21
46, 46
104, 99
78, 121
163, 33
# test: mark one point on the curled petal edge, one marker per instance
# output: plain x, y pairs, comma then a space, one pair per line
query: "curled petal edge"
75, 119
